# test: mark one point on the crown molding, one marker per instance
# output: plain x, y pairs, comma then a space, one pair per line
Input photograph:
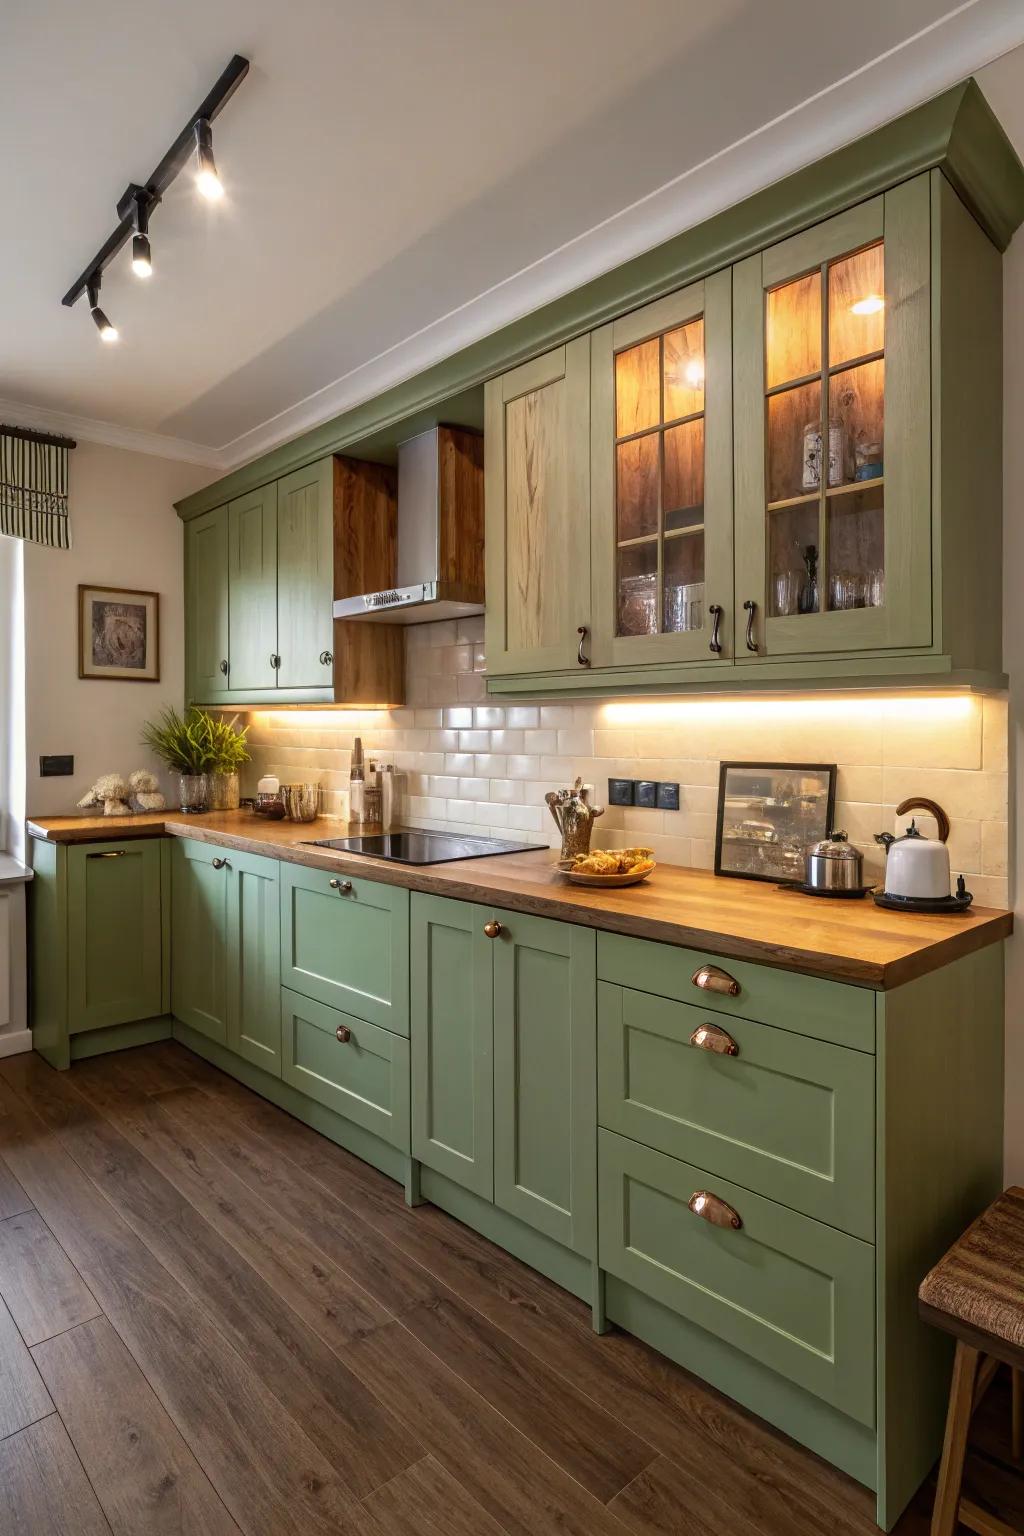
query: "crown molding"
88, 430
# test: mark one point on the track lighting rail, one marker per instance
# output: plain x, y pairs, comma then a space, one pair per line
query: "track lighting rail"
149, 195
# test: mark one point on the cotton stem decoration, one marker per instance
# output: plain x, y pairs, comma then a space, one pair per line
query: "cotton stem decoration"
120, 797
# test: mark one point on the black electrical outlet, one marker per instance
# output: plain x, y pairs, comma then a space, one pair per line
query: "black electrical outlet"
620, 791
646, 793
668, 796
56, 766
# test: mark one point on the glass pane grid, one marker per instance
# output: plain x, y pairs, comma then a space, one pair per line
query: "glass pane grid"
824, 429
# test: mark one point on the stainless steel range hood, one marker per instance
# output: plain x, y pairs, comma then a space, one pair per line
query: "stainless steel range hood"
438, 559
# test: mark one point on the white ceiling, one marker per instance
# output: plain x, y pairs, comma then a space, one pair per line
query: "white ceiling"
402, 177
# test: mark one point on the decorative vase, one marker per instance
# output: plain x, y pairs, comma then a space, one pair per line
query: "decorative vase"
223, 793
193, 791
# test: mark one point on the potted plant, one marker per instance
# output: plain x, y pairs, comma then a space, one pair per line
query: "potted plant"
230, 751
185, 744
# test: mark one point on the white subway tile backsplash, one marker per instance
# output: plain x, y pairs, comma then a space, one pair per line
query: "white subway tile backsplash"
474, 741
540, 741
523, 717
489, 716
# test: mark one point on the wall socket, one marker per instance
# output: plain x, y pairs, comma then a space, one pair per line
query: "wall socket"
649, 794
56, 766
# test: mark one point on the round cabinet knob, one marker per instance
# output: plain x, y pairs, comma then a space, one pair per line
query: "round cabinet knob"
344, 886
221, 864
492, 929
224, 668
327, 658
343, 1034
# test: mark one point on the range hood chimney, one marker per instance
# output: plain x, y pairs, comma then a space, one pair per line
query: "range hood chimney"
435, 563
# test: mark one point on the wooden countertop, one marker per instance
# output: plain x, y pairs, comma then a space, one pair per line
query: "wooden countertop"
853, 941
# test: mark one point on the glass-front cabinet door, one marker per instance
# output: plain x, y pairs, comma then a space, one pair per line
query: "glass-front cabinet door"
661, 479
833, 433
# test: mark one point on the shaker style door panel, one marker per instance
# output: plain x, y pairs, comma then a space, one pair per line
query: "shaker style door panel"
833, 434
661, 479
252, 544
305, 576
451, 1041
115, 942
537, 513
200, 914
254, 960
356, 1069
545, 1077
207, 641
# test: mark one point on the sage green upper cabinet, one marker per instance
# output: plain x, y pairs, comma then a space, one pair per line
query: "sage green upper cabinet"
305, 576
545, 1076
114, 933
661, 479
252, 578
537, 513
207, 625
833, 434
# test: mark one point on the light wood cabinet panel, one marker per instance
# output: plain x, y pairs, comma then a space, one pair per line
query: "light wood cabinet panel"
252, 578
537, 512
206, 585
305, 576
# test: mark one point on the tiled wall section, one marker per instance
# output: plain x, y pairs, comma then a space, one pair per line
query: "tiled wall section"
482, 767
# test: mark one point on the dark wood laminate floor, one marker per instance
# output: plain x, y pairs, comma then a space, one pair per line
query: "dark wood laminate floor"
214, 1321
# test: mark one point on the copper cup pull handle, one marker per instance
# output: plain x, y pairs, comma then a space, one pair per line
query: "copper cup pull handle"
584, 661
715, 644
492, 929
710, 979
708, 1037
343, 1034
918, 803
751, 608
710, 1208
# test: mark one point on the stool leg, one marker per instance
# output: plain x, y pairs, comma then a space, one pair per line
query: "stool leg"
954, 1448
1017, 1378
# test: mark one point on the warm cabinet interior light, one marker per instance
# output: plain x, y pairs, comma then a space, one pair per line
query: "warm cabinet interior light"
207, 179
695, 372
870, 304
846, 707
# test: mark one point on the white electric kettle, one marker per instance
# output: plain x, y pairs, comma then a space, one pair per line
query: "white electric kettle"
917, 867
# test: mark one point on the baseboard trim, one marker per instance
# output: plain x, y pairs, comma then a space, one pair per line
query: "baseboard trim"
15, 1042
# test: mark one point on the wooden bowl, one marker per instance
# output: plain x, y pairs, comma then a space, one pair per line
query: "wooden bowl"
631, 877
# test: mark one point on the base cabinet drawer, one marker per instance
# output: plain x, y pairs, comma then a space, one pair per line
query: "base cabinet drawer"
355, 1068
794, 1294
782, 1114
345, 942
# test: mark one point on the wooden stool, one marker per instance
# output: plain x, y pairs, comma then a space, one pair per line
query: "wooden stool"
976, 1293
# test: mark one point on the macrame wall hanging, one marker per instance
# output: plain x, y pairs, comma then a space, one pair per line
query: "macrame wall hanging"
34, 486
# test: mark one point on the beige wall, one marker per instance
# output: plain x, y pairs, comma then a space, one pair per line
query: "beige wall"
125, 534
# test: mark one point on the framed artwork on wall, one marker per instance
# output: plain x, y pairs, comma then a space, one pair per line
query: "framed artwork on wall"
769, 814
118, 634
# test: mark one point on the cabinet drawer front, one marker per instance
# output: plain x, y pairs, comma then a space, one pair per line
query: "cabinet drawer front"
806, 1005
347, 946
790, 1117
366, 1078
114, 933
785, 1290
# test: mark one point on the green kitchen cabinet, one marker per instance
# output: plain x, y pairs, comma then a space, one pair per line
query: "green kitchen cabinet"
305, 576
355, 1068
545, 1075
452, 1040
207, 610
114, 933
345, 942
252, 582
200, 908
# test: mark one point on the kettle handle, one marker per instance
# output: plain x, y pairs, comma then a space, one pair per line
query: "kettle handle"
932, 807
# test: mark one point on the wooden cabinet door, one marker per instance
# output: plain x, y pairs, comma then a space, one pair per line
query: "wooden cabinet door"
305, 576
833, 434
661, 480
207, 611
114, 933
451, 1041
545, 1077
252, 575
254, 960
200, 908
537, 512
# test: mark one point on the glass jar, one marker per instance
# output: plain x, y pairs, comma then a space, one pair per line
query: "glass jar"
193, 792
223, 792
811, 480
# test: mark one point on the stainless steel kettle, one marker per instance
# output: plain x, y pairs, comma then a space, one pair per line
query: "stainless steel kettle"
917, 867
834, 864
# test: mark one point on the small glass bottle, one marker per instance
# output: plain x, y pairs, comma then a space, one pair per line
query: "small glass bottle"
373, 798
808, 600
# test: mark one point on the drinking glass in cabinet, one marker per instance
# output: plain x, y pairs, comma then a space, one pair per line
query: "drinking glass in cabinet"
683, 598
638, 590
856, 545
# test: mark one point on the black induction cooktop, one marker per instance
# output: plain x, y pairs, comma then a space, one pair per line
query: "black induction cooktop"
423, 847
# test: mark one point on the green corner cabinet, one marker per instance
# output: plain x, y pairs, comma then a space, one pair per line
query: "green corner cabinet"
787, 471
752, 1181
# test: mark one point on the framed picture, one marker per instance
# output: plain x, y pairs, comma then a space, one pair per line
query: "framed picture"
768, 816
119, 634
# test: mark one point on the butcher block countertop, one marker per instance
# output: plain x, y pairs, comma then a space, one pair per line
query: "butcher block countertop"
850, 941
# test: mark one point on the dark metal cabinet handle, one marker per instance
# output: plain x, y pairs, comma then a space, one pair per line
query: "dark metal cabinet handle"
224, 668
715, 644
709, 1037
710, 1208
584, 661
344, 886
751, 608
710, 979
327, 658
492, 928
343, 1034
111, 853
221, 864
275, 660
